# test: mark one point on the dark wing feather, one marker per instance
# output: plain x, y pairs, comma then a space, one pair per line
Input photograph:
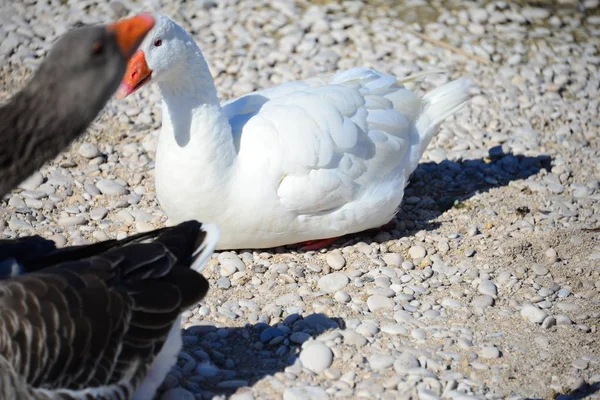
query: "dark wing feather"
84, 322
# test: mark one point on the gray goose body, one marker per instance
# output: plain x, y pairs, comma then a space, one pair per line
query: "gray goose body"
89, 322
99, 321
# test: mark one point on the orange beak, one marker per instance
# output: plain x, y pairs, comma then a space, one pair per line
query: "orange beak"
131, 31
137, 75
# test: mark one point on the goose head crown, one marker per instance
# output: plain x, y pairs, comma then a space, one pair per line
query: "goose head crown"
170, 57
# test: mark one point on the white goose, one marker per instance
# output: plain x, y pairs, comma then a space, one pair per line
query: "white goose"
301, 162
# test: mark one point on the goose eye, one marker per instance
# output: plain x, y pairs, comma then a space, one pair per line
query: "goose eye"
98, 48
158, 42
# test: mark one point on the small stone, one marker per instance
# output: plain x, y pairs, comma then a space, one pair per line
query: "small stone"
488, 287
333, 282
551, 255
98, 213
489, 352
418, 334
111, 187
71, 221
482, 301
316, 357
393, 259
417, 252
332, 373
535, 13
232, 260
33, 182
227, 270
270, 333
378, 302
367, 329
242, 396
124, 216
562, 319
569, 307
514, 59
576, 383
539, 269
405, 362
354, 338
342, 297
464, 344
394, 329
379, 361
336, 260
452, 303
533, 314
581, 364
305, 393
177, 394
224, 283
234, 383
289, 299
549, 322
299, 337
89, 151
58, 239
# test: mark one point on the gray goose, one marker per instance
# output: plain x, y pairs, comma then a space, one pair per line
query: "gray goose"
79, 75
99, 321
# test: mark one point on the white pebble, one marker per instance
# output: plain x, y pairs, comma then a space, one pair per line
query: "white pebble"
333, 282
380, 361
488, 287
228, 270
305, 393
533, 314
417, 252
71, 221
394, 329
89, 150
98, 213
336, 260
489, 352
378, 302
393, 259
353, 338
316, 357
110, 187
231, 259
342, 297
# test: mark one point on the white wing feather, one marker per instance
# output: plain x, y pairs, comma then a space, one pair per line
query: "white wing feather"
350, 138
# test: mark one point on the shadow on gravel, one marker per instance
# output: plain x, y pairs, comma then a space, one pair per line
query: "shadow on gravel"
581, 393
434, 188
229, 358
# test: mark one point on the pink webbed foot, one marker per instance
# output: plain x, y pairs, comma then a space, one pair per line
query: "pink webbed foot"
317, 244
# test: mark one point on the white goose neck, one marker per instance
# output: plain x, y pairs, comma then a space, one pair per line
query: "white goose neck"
191, 84
191, 107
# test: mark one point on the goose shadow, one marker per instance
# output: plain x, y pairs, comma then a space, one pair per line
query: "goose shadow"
434, 188
222, 360
583, 392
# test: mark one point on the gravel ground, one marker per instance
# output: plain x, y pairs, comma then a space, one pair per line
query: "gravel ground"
488, 287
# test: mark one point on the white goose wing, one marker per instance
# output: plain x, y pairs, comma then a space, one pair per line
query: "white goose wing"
329, 140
